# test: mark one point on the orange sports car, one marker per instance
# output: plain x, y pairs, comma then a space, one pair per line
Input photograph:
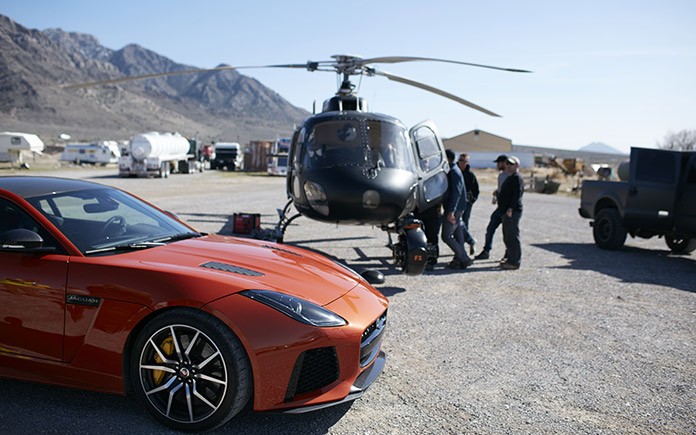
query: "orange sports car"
104, 291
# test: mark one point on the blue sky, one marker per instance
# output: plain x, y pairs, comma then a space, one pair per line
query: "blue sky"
618, 72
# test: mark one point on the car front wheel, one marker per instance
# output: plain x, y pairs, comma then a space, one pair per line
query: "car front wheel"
190, 371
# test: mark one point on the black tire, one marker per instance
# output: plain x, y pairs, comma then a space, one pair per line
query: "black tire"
608, 230
185, 338
681, 245
164, 170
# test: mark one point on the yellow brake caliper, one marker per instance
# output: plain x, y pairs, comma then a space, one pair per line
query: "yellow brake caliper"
167, 348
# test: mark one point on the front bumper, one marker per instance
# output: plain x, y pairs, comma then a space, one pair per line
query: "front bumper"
361, 384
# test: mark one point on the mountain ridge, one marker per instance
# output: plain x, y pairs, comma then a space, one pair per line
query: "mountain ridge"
600, 147
36, 65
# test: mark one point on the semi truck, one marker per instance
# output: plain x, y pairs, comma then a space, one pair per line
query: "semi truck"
158, 154
278, 157
14, 146
228, 155
657, 199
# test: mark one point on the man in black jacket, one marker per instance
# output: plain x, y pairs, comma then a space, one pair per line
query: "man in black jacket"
472, 194
510, 209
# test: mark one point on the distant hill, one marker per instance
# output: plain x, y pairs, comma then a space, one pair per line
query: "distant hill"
599, 147
35, 65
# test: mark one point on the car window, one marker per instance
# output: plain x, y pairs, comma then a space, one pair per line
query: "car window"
97, 218
12, 217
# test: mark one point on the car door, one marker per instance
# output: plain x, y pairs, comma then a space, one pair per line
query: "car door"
32, 292
431, 164
685, 210
652, 190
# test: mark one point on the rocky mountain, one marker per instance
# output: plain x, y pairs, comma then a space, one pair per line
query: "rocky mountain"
36, 65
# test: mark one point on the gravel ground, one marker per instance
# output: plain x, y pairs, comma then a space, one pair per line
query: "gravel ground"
579, 340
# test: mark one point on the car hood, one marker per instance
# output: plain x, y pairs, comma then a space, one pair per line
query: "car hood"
253, 264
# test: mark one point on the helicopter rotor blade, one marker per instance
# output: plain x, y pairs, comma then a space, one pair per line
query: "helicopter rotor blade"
311, 66
150, 76
399, 59
434, 91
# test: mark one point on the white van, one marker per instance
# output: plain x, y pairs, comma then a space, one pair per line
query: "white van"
103, 152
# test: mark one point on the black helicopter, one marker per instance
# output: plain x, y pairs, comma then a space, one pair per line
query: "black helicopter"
347, 165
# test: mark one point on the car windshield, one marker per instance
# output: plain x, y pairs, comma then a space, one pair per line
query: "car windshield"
355, 142
96, 220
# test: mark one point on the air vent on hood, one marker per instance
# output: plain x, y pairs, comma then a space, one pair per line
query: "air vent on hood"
278, 248
229, 268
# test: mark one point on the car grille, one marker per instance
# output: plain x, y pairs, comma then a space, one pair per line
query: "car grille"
372, 339
314, 369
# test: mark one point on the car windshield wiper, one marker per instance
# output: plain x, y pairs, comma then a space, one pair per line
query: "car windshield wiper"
126, 247
180, 236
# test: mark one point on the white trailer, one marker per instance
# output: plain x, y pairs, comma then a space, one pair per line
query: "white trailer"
14, 146
102, 152
158, 154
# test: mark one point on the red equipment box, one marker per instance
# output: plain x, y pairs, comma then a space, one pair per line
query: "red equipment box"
245, 223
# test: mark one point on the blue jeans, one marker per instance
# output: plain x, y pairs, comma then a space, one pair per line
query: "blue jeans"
453, 236
464, 230
493, 224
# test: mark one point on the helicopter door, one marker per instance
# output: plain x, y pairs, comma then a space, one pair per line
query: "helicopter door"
431, 167
293, 164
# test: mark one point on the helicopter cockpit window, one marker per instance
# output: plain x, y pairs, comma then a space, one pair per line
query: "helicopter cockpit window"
388, 145
334, 143
428, 149
354, 142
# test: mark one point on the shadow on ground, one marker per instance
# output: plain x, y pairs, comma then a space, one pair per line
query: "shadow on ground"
88, 412
630, 264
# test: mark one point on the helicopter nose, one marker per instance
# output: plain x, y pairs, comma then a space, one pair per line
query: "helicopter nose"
370, 199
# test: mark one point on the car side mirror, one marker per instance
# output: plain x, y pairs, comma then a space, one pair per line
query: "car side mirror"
373, 276
22, 240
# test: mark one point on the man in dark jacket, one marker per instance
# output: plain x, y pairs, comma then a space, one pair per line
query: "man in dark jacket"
472, 194
510, 209
495, 219
454, 205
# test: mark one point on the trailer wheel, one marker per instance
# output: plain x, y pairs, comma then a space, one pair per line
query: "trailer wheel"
164, 170
681, 245
608, 230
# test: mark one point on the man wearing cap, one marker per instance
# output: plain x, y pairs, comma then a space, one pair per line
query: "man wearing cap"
495, 219
510, 209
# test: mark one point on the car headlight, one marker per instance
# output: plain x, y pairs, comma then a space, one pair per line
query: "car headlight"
299, 309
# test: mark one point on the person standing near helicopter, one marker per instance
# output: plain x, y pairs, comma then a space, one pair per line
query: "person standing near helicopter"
454, 204
496, 219
510, 209
472, 193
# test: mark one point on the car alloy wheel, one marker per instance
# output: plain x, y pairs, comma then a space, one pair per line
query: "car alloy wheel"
190, 370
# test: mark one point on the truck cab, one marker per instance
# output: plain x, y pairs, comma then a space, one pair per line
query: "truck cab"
658, 199
228, 155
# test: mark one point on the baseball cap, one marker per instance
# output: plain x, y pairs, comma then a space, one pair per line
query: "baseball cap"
513, 160
501, 158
